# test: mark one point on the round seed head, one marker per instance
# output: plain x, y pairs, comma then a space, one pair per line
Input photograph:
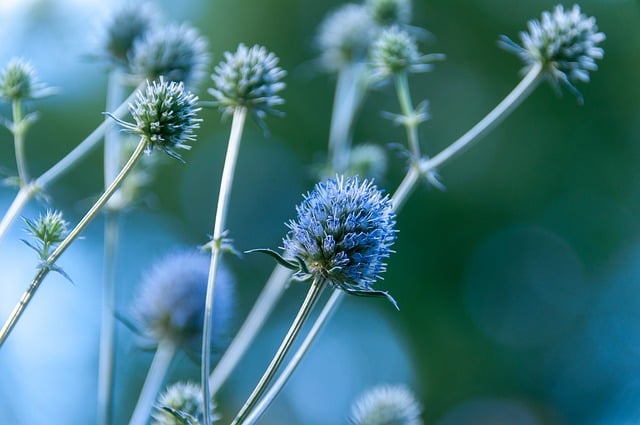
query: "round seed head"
19, 81
182, 399
390, 12
250, 78
343, 232
345, 35
175, 52
387, 405
395, 51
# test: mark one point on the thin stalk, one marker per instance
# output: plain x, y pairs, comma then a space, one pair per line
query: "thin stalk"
19, 128
116, 91
50, 261
266, 301
327, 311
61, 167
491, 120
226, 183
310, 300
165, 353
410, 121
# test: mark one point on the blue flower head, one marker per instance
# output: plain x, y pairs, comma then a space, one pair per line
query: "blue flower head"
386, 405
171, 300
343, 233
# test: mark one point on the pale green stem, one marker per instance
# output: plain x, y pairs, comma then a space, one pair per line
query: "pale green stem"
19, 129
51, 260
310, 300
165, 354
327, 311
61, 167
226, 183
410, 120
116, 92
257, 317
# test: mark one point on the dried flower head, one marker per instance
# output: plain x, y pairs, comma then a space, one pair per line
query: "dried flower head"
182, 404
387, 405
124, 27
395, 51
249, 78
565, 43
171, 300
48, 230
345, 35
390, 12
175, 52
343, 233
165, 116
19, 81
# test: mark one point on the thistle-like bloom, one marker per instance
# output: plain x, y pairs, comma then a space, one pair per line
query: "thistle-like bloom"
387, 405
124, 27
390, 12
395, 51
175, 52
345, 35
171, 300
343, 233
182, 404
249, 78
48, 230
165, 116
19, 81
565, 43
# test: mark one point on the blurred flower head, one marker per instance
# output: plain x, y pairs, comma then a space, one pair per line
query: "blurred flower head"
343, 232
171, 300
386, 405
124, 27
182, 404
165, 116
564, 42
390, 12
368, 160
345, 35
19, 81
249, 78
175, 52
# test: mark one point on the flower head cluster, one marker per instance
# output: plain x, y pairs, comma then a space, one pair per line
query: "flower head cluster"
165, 116
343, 233
345, 35
171, 300
182, 404
249, 78
124, 27
175, 52
395, 51
386, 405
48, 230
19, 81
564, 42
390, 12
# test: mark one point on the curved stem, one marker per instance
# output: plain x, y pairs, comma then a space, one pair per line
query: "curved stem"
266, 301
327, 311
312, 296
237, 125
155, 377
49, 263
19, 129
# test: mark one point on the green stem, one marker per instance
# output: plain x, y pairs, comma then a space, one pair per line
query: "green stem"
410, 120
226, 183
51, 260
312, 296
19, 130
165, 353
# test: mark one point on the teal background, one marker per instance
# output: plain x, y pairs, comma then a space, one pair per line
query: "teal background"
519, 286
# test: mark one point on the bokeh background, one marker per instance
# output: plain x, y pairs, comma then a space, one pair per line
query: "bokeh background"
519, 285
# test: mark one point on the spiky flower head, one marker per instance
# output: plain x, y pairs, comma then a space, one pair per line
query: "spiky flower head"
343, 233
182, 404
395, 51
48, 230
19, 81
390, 12
345, 35
165, 116
175, 52
124, 27
564, 42
387, 405
250, 78
170, 302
